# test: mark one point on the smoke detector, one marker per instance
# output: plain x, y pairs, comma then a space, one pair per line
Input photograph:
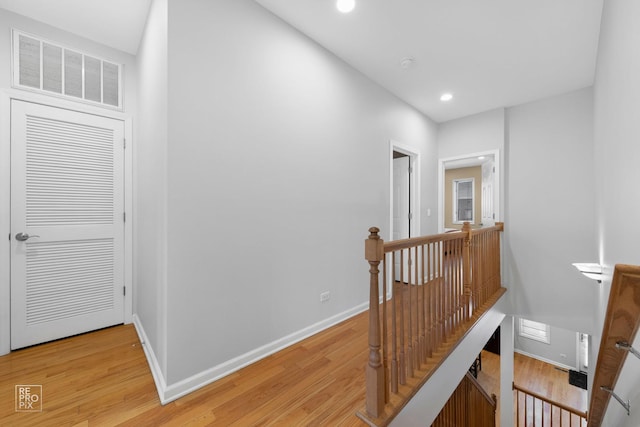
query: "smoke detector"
407, 62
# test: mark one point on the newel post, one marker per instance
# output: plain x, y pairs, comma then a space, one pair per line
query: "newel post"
466, 268
374, 253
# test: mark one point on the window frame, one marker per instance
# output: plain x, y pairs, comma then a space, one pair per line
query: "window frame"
539, 326
455, 198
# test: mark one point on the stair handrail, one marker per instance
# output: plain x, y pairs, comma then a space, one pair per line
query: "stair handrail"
491, 399
463, 409
577, 412
455, 275
621, 324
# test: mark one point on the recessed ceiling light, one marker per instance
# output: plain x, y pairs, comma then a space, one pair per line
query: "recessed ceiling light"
481, 157
346, 6
446, 97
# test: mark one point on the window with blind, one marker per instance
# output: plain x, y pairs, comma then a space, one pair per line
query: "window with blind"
535, 331
46, 67
463, 200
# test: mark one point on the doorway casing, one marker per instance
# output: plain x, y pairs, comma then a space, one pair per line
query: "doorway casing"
414, 187
6, 96
497, 182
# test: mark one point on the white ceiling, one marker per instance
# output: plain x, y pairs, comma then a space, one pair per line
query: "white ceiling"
489, 54
115, 23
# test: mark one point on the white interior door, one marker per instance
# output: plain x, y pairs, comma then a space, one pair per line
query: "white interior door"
67, 225
401, 210
487, 197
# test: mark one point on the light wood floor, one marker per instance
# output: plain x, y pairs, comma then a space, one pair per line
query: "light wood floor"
102, 379
534, 375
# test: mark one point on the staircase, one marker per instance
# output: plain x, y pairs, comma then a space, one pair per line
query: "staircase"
535, 410
434, 290
469, 406
620, 327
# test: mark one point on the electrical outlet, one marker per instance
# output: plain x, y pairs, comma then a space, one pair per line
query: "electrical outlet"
324, 297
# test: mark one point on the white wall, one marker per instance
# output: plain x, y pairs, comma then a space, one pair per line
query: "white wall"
550, 210
617, 103
479, 133
472, 134
151, 178
561, 342
277, 164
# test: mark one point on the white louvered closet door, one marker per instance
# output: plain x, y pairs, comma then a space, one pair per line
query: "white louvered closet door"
67, 194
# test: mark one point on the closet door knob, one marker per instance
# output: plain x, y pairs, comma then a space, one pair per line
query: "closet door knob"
24, 236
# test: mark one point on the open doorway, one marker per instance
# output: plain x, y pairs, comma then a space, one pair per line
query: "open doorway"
404, 203
401, 199
469, 190
404, 190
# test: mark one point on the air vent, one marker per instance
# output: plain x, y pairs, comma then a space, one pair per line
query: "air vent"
42, 66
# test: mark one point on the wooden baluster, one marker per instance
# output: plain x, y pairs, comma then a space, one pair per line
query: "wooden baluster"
394, 335
457, 279
410, 349
417, 330
493, 417
385, 325
374, 252
409, 292
476, 242
423, 319
488, 261
466, 270
454, 283
429, 303
403, 365
412, 311
448, 274
449, 289
517, 408
463, 299
459, 284
491, 267
439, 295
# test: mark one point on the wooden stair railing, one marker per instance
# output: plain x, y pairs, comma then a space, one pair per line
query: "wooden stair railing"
535, 410
620, 325
469, 405
440, 287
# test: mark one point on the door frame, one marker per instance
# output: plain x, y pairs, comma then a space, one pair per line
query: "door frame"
497, 195
414, 194
414, 187
6, 96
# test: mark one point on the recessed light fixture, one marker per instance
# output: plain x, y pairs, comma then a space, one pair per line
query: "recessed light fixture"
446, 97
346, 6
481, 157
